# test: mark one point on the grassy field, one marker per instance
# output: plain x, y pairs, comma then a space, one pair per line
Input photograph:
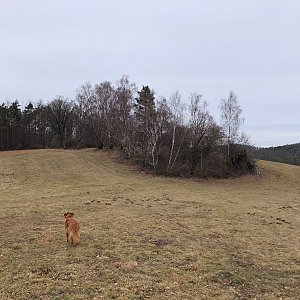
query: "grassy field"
145, 237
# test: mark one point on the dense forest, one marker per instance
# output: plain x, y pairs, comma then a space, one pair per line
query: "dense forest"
288, 154
159, 134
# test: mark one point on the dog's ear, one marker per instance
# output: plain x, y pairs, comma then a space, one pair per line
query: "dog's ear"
72, 214
65, 214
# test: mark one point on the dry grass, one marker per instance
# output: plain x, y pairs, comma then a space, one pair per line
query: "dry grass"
144, 237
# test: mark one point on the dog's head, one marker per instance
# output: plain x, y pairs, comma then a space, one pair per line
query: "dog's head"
68, 215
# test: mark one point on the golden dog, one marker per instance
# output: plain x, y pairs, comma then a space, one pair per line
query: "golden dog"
72, 229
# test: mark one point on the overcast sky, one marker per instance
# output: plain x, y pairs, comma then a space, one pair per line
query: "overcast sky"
252, 47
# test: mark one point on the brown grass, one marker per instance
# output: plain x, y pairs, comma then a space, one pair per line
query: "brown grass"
150, 237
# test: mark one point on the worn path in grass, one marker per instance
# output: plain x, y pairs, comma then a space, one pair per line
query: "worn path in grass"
145, 237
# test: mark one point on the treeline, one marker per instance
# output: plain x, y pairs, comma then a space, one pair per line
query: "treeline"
288, 154
158, 133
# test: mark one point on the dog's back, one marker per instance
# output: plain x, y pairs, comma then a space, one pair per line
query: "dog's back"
72, 229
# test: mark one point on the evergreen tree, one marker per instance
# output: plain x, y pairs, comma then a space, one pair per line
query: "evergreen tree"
146, 116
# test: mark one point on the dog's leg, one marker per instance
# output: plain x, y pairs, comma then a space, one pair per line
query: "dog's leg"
71, 238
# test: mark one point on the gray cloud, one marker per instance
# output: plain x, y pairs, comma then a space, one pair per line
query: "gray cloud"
211, 47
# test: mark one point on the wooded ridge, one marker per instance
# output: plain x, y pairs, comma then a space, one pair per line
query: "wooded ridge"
288, 154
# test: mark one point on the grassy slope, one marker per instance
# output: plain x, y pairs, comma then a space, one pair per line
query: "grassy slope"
144, 237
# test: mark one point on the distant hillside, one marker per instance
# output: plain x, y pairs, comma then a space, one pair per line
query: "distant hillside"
289, 154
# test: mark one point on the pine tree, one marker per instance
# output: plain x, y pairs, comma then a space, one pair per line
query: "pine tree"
146, 120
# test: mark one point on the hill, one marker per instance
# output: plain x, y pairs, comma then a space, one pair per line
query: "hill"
289, 154
144, 237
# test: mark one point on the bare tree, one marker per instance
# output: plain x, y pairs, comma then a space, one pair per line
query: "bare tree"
125, 92
231, 119
60, 115
105, 106
202, 129
176, 121
85, 123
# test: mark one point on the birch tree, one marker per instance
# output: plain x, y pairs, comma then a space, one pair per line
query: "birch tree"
176, 121
231, 120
